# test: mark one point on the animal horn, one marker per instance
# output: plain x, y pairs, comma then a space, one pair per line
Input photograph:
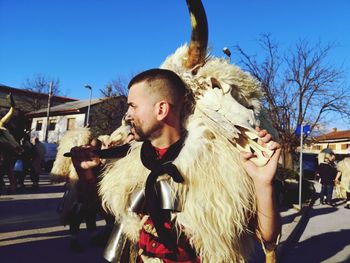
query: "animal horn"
9, 114
199, 38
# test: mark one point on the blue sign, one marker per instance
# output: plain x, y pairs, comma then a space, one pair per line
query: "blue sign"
306, 130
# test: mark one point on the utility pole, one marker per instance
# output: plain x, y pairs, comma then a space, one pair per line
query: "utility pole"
301, 163
48, 112
88, 113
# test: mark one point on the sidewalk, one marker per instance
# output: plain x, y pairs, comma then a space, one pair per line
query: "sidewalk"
30, 230
292, 220
36, 215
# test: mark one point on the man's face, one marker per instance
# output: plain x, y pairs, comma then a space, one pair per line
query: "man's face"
142, 112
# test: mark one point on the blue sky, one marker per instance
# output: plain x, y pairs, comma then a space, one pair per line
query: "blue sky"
97, 41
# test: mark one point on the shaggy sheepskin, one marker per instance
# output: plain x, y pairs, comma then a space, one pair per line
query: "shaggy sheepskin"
217, 197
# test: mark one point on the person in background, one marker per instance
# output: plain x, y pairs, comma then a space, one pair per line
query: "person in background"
327, 172
344, 178
7, 164
86, 206
25, 160
38, 156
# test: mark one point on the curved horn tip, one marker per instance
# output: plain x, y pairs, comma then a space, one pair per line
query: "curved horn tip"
10, 98
7, 117
199, 38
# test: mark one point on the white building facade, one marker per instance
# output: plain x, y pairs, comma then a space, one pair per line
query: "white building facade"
63, 117
337, 141
56, 126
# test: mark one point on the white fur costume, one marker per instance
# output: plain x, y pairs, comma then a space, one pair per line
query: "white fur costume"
63, 167
218, 196
344, 167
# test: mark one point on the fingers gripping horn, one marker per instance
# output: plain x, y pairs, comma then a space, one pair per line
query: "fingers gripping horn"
199, 38
9, 114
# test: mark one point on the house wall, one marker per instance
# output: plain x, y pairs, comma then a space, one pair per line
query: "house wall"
60, 128
342, 147
25, 99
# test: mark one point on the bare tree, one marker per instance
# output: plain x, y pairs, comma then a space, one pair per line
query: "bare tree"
40, 84
107, 116
115, 88
300, 87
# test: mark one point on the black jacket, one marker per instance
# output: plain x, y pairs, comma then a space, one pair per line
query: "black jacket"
327, 173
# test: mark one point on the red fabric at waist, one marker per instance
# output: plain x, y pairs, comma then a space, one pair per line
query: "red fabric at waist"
152, 247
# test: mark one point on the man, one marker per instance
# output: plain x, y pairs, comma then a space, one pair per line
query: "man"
328, 174
344, 174
156, 101
39, 152
155, 107
87, 205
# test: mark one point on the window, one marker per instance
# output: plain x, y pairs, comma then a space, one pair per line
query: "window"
52, 125
345, 146
332, 146
70, 124
316, 147
39, 125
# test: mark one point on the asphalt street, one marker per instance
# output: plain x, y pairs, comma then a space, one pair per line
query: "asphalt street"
324, 236
30, 230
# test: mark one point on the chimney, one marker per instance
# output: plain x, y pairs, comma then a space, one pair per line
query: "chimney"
334, 129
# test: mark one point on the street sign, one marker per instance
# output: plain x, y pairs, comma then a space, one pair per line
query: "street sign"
306, 130
300, 131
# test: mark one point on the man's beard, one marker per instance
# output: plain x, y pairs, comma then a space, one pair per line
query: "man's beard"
139, 134
142, 135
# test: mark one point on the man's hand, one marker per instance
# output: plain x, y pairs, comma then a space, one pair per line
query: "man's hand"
268, 219
84, 158
262, 175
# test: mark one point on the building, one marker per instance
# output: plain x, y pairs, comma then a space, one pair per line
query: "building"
72, 115
337, 141
62, 118
25, 99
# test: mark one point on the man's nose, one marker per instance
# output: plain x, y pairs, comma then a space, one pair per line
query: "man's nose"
127, 116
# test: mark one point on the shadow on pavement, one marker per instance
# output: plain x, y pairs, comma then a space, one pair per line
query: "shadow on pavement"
43, 189
333, 241
33, 236
19, 214
284, 208
289, 218
54, 250
323, 211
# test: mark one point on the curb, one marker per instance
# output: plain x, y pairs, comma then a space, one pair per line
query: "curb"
301, 219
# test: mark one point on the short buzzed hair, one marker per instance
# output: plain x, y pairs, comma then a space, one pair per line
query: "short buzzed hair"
164, 83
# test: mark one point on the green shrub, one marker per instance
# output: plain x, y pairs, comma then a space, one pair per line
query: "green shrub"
285, 173
289, 194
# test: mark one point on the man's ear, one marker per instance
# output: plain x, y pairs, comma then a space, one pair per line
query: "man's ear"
163, 109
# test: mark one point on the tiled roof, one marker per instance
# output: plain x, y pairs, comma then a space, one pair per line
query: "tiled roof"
334, 135
72, 106
7, 89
